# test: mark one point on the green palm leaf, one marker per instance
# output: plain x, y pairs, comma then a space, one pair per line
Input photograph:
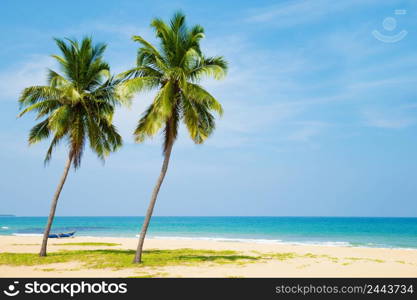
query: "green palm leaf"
78, 102
175, 68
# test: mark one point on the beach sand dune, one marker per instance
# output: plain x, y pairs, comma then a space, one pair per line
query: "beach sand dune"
278, 260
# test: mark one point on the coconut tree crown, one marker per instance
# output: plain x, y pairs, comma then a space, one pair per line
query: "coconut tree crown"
76, 105
175, 68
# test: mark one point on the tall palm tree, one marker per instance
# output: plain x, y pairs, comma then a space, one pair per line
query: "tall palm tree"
75, 106
174, 68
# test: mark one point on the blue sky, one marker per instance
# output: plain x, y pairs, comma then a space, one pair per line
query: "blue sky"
320, 116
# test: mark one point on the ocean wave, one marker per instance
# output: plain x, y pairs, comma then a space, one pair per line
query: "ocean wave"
256, 240
317, 243
4, 227
260, 241
281, 242
218, 239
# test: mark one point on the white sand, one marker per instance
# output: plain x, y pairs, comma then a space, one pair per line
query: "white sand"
333, 261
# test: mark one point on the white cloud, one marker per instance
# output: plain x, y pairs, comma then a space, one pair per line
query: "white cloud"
307, 131
265, 88
123, 30
394, 118
17, 77
253, 94
246, 118
291, 13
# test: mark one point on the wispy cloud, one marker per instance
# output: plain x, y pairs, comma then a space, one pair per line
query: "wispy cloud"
253, 94
291, 13
307, 131
266, 88
19, 76
124, 30
394, 118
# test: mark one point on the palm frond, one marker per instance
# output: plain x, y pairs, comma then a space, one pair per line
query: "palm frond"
149, 124
79, 102
138, 84
34, 94
198, 94
215, 67
39, 132
175, 68
198, 119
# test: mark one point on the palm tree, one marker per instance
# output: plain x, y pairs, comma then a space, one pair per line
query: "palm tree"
76, 106
175, 69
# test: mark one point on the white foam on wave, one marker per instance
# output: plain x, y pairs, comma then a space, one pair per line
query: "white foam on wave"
260, 241
281, 242
247, 240
4, 227
27, 234
218, 239
315, 243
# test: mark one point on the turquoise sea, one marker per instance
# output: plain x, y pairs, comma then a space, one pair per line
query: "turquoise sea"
363, 232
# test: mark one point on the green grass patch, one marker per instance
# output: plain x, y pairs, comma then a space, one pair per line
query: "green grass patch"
292, 255
119, 259
87, 244
310, 255
148, 275
332, 258
365, 259
282, 256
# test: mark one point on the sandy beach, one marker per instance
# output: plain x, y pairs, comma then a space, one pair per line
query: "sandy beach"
278, 260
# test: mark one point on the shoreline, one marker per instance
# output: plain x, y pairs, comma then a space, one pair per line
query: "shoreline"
289, 261
233, 240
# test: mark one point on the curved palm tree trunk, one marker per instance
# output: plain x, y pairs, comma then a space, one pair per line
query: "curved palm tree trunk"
53, 206
138, 256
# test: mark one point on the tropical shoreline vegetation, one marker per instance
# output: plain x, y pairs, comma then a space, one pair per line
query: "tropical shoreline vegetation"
78, 103
118, 259
98, 257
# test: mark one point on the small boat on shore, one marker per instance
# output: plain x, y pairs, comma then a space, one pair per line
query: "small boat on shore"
61, 235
